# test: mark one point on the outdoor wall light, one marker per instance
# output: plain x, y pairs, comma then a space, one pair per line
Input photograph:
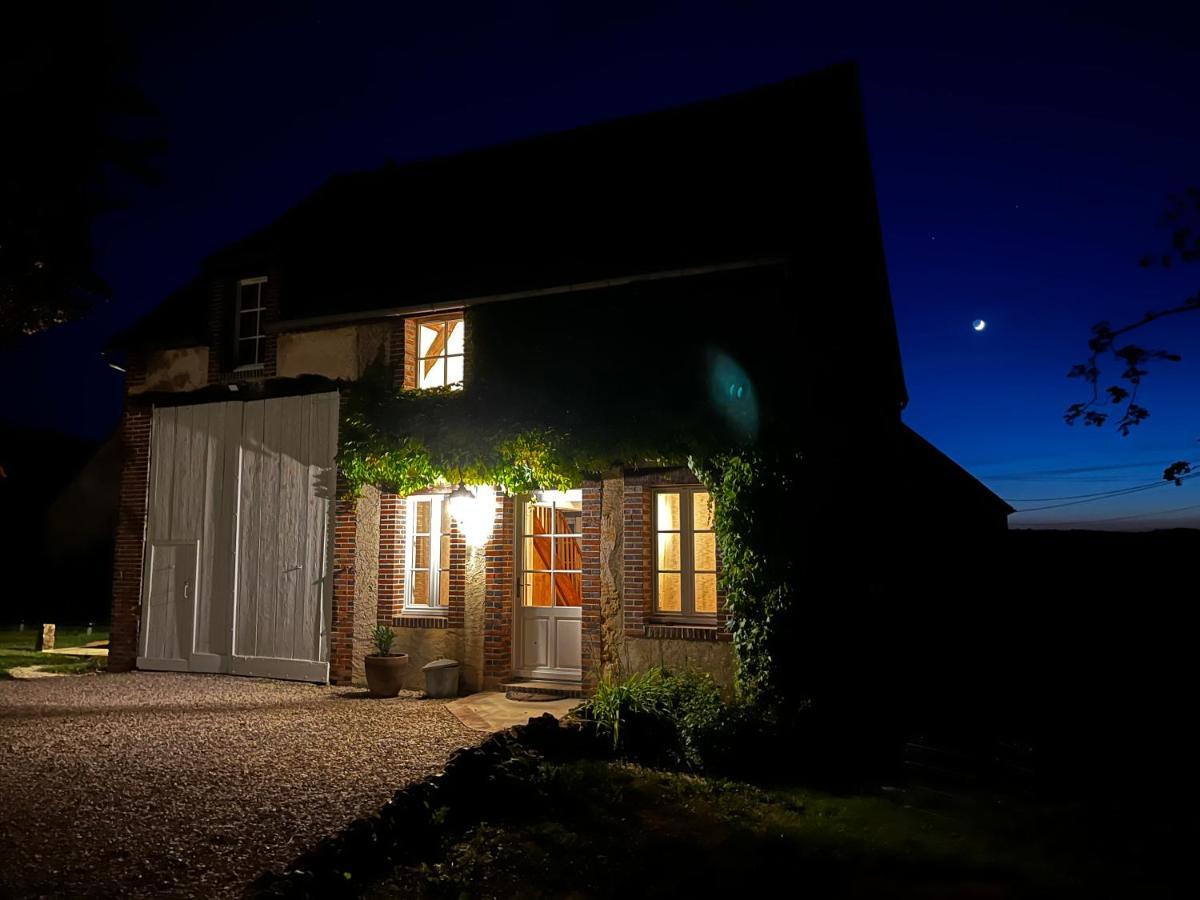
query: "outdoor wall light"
473, 511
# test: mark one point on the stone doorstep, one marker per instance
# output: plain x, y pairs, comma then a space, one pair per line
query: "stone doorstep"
533, 689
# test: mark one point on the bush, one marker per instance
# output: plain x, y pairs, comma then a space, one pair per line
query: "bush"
661, 718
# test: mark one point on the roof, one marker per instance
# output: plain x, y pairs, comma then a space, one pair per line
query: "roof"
778, 171
931, 470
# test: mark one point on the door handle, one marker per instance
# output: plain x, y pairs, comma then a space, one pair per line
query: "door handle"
187, 589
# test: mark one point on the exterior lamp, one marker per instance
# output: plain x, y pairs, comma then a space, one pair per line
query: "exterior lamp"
462, 499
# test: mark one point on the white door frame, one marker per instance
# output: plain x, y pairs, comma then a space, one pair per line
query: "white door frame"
521, 618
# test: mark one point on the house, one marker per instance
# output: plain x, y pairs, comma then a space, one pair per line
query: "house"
719, 264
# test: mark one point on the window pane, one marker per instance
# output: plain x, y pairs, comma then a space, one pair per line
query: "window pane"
423, 516
567, 521
420, 558
568, 589
706, 593
444, 588
537, 553
702, 511
538, 519
454, 344
248, 295
454, 370
668, 593
248, 325
538, 590
247, 352
668, 512
668, 552
567, 553
432, 372
431, 338
420, 588
706, 551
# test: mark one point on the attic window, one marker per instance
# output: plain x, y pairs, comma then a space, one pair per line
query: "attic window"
440, 352
248, 324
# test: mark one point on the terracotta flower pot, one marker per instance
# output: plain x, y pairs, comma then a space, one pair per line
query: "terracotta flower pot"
384, 674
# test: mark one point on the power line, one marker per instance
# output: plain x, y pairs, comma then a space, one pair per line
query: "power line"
1164, 512
1145, 487
1114, 492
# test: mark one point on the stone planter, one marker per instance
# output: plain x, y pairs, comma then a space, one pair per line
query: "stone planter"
384, 674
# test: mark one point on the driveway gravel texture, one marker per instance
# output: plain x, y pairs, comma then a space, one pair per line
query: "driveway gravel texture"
171, 785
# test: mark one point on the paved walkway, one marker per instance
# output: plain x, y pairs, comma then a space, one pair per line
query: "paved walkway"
490, 711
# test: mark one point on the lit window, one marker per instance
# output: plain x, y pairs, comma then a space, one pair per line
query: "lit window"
685, 553
427, 554
248, 332
440, 352
551, 550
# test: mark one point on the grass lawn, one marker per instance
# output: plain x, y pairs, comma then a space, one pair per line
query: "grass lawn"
598, 829
16, 649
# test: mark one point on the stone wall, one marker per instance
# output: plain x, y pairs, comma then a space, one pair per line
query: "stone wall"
366, 579
185, 369
332, 352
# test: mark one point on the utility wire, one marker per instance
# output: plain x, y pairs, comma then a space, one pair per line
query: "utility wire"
1113, 492
1164, 512
1145, 487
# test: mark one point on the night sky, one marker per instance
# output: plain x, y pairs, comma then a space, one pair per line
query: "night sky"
1021, 160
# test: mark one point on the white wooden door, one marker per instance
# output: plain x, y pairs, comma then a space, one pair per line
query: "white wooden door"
247, 490
549, 602
283, 592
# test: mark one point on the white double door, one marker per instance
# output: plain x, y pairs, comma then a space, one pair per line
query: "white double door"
549, 602
237, 560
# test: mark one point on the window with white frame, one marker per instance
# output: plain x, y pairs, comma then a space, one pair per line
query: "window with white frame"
685, 553
440, 351
248, 323
427, 554
551, 549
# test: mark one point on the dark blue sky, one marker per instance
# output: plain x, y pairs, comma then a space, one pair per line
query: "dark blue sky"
1021, 159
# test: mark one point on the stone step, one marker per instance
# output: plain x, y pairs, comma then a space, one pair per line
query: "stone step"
534, 690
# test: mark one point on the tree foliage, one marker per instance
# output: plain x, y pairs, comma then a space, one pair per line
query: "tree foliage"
1106, 346
69, 121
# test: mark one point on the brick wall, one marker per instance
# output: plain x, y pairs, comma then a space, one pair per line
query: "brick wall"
130, 538
637, 522
456, 604
391, 556
498, 594
341, 628
590, 529
402, 354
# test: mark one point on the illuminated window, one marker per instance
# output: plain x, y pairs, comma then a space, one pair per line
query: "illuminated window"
440, 352
427, 554
685, 553
248, 331
551, 550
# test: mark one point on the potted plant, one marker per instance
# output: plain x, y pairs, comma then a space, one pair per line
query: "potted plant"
384, 668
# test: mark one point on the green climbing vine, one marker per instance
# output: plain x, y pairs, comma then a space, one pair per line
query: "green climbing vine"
411, 440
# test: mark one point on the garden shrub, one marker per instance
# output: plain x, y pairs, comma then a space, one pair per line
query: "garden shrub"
657, 717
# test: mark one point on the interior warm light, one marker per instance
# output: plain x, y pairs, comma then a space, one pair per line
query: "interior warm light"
473, 511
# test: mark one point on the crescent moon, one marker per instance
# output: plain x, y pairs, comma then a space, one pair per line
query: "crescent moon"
979, 324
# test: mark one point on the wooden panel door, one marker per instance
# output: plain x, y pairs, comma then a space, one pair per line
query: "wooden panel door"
549, 602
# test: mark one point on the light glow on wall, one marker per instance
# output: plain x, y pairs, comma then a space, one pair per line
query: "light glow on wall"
475, 516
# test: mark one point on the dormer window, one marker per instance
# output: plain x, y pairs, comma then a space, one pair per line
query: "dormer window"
440, 352
248, 323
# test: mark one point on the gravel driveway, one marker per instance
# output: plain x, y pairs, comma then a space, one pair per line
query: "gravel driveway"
163, 784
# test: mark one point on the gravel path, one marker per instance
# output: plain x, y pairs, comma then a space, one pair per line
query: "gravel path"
163, 784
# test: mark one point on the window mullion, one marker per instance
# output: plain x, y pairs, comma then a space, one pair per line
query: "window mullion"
687, 585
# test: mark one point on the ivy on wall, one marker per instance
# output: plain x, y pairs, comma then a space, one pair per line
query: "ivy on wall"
411, 440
